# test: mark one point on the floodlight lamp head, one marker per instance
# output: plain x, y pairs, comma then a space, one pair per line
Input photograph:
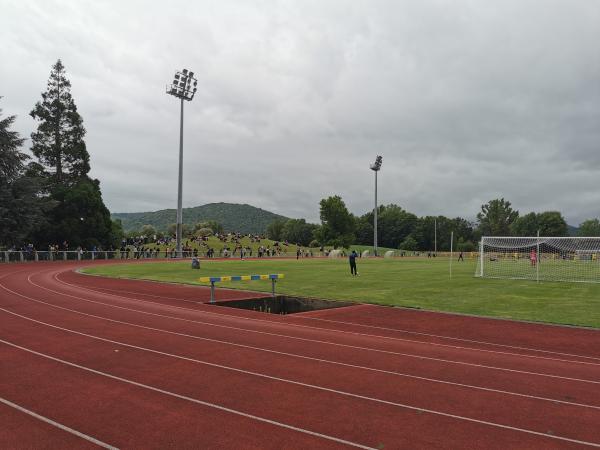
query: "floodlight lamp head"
377, 165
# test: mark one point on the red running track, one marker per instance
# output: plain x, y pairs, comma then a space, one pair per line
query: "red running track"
93, 362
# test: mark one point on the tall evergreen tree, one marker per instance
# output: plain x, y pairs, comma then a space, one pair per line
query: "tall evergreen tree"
79, 216
11, 158
58, 142
21, 209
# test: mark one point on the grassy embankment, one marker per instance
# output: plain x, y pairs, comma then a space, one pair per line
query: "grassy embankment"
216, 244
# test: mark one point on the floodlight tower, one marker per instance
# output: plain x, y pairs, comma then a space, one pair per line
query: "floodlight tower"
375, 167
184, 86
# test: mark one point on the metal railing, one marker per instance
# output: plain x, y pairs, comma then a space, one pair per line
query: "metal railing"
12, 256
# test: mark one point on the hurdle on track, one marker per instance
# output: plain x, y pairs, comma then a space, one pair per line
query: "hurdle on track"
212, 280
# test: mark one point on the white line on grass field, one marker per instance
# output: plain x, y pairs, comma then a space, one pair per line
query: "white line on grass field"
294, 355
189, 399
409, 355
425, 343
58, 425
281, 424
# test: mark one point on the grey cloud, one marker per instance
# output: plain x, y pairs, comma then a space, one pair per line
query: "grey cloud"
466, 100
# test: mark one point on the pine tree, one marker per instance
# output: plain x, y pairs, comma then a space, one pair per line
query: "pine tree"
21, 209
58, 142
79, 216
11, 159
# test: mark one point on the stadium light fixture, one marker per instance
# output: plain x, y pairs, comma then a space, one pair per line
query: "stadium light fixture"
375, 167
181, 88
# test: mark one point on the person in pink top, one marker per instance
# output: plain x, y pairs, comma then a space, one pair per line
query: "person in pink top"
533, 257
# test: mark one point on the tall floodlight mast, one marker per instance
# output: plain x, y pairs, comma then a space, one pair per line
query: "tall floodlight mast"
375, 167
184, 86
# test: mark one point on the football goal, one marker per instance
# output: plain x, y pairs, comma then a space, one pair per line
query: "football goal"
541, 258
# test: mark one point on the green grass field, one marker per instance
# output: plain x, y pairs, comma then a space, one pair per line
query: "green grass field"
411, 282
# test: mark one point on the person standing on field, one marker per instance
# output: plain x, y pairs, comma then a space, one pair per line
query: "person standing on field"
533, 257
352, 260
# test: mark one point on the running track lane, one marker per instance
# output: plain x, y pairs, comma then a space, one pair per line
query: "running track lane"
424, 426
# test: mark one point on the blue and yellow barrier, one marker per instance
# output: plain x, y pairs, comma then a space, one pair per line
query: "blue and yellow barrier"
212, 280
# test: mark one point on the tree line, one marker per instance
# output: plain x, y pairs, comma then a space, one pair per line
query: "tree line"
50, 199
401, 229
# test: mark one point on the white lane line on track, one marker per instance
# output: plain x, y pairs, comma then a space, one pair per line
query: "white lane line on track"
520, 355
409, 355
457, 339
320, 360
397, 330
223, 408
58, 425
190, 399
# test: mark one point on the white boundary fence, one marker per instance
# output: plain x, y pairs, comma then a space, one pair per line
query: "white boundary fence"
11, 256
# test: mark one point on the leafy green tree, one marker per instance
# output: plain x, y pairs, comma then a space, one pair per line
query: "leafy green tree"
22, 211
186, 230
364, 230
552, 223
116, 233
496, 218
275, 230
297, 231
409, 243
21, 208
58, 142
148, 231
527, 225
589, 228
549, 223
425, 233
337, 223
394, 225
81, 218
202, 232
213, 225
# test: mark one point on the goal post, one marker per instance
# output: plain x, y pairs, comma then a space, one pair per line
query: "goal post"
574, 259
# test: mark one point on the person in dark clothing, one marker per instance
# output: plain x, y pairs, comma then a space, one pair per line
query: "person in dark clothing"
352, 259
460, 257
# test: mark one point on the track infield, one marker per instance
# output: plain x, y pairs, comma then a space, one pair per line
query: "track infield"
111, 363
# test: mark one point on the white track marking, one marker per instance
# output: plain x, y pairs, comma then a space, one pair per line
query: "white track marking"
193, 400
58, 425
455, 338
360, 334
222, 408
309, 358
308, 340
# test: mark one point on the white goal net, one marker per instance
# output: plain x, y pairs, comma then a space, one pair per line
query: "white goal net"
540, 258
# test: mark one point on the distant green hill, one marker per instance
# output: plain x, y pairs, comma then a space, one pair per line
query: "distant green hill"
233, 217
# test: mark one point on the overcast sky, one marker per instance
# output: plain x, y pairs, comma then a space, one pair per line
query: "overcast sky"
466, 100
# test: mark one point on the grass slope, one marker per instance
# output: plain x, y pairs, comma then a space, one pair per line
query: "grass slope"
413, 282
290, 250
233, 217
